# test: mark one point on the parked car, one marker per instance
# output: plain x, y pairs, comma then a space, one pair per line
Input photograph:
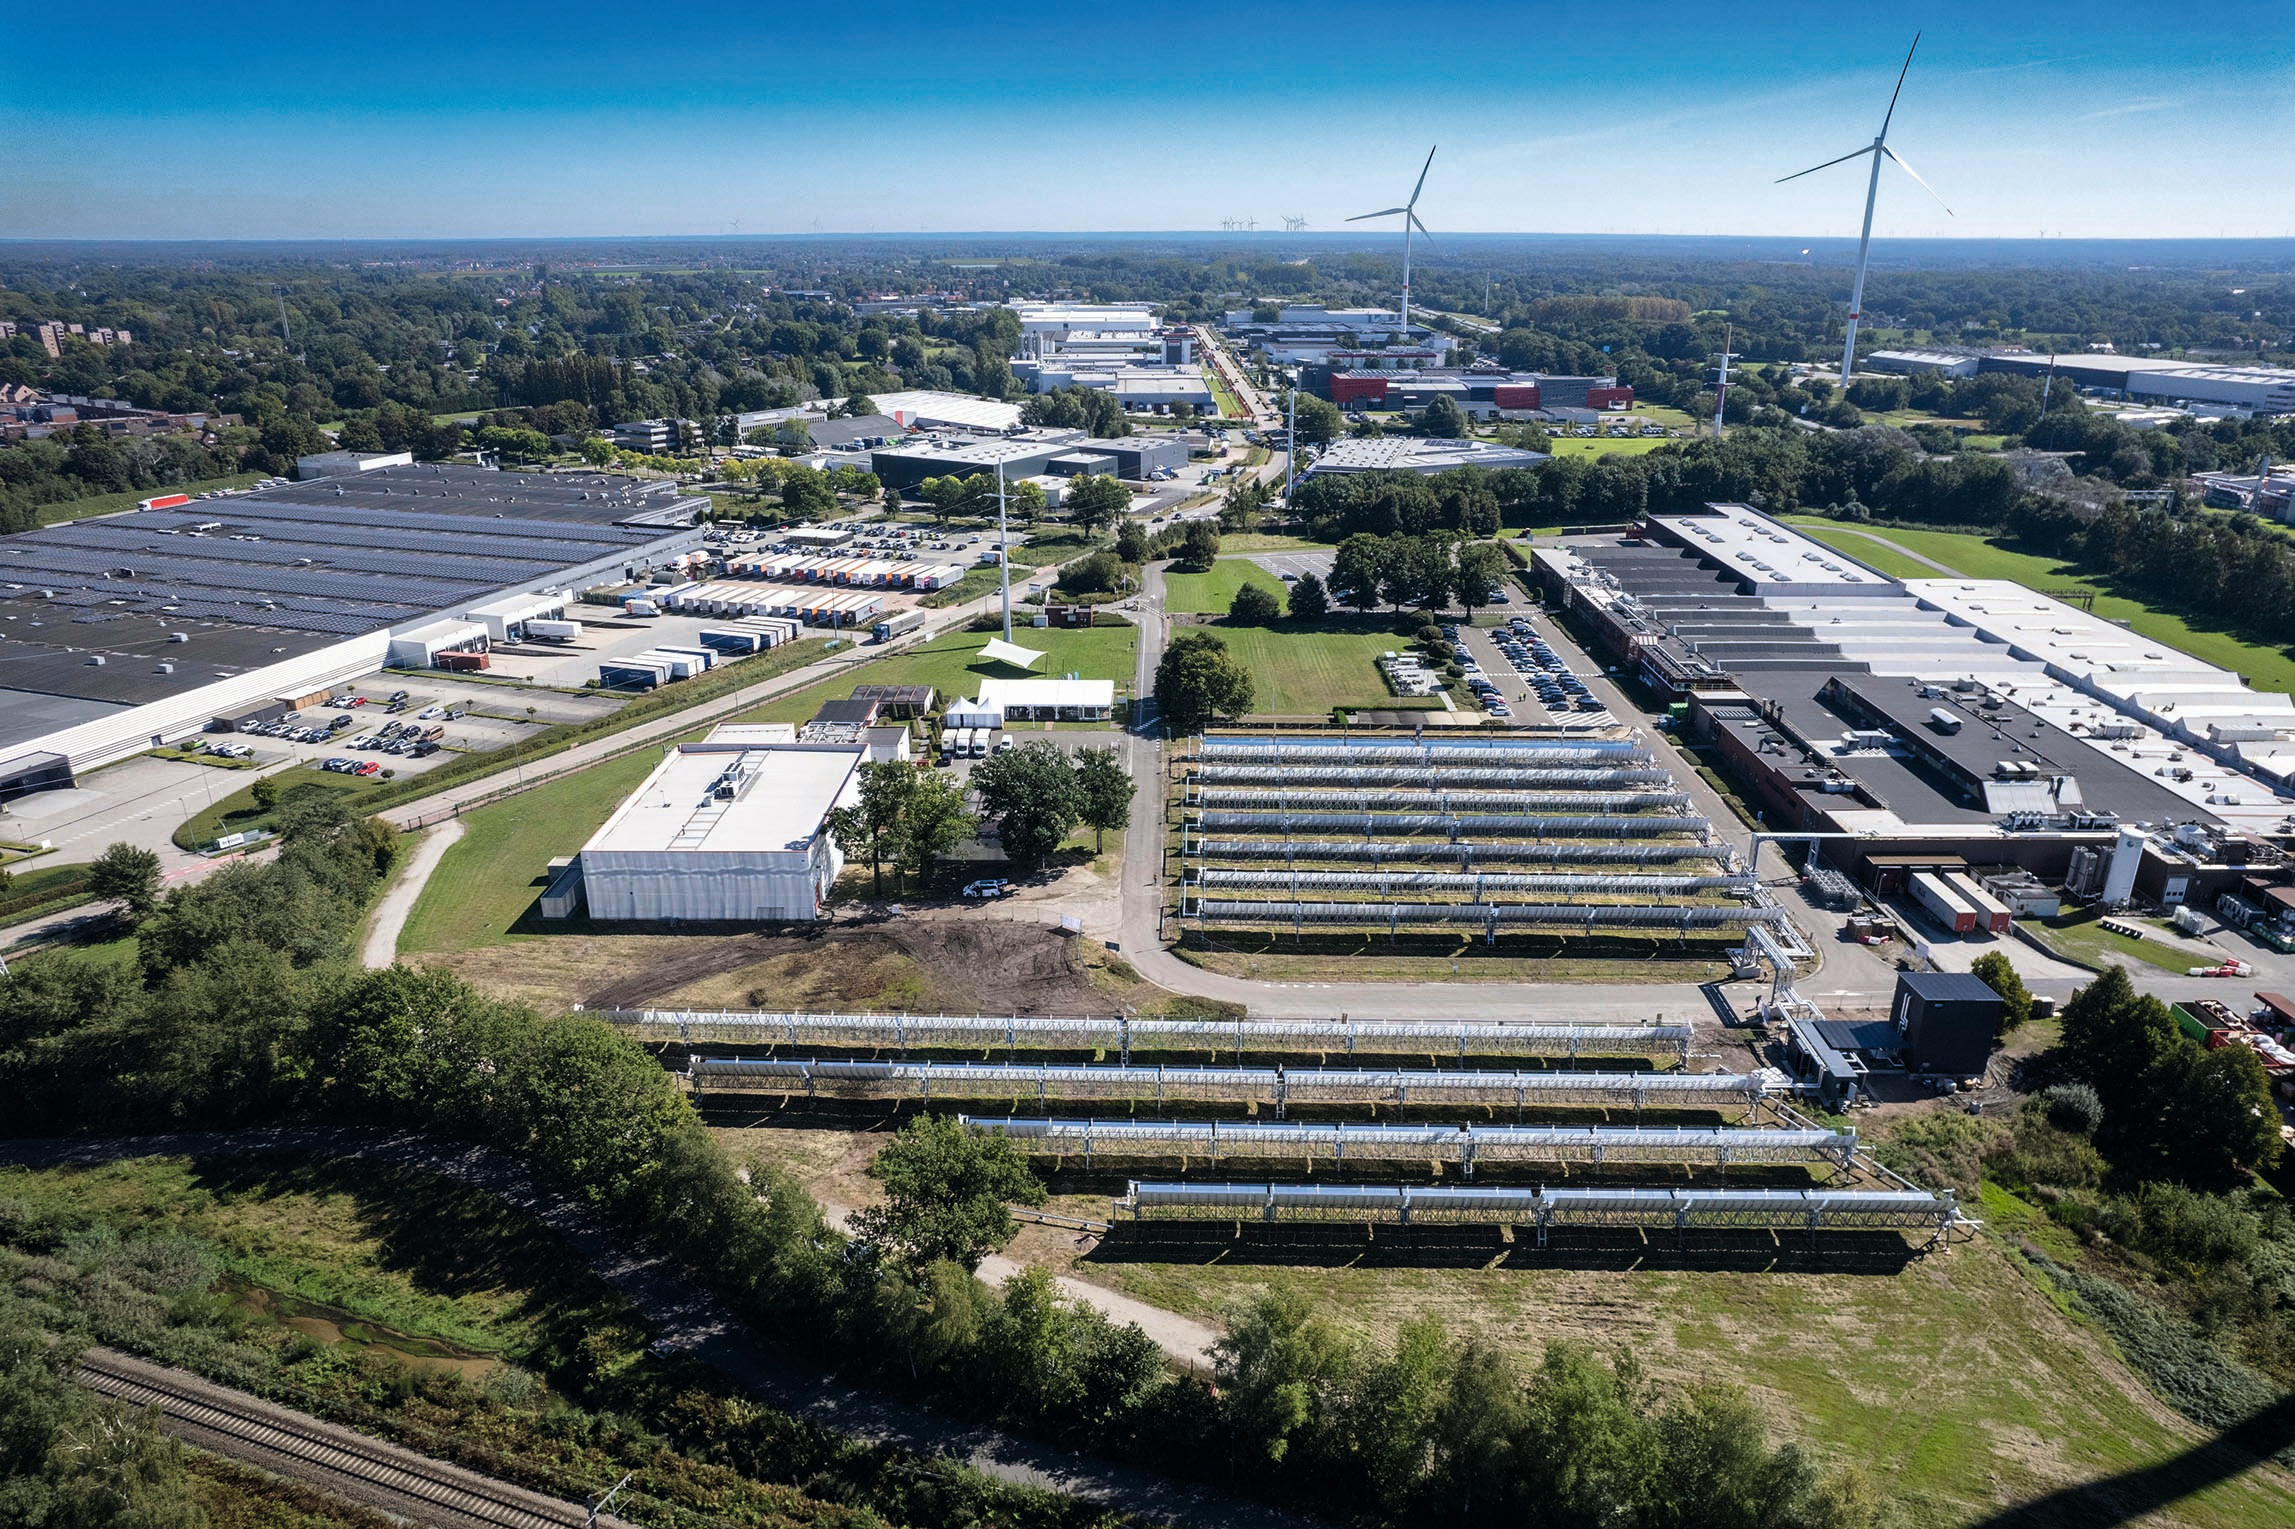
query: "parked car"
990, 888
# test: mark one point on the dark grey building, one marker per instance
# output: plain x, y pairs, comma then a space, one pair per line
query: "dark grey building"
1028, 454
1947, 1021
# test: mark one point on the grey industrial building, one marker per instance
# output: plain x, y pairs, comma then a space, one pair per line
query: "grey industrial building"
2252, 389
1025, 454
123, 629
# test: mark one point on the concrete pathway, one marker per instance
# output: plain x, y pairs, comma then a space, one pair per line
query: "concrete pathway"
391, 913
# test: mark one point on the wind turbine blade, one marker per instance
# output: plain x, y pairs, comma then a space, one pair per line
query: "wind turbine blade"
1422, 169
1901, 73
1385, 212
1915, 174
1420, 226
1813, 169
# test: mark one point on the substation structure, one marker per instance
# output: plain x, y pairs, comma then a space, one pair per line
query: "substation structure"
1521, 834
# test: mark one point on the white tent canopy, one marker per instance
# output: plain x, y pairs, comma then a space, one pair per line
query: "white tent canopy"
1000, 651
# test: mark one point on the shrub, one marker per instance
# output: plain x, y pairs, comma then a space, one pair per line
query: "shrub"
1254, 605
2073, 1107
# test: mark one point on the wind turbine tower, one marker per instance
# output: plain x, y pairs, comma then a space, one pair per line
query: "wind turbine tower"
1292, 225
1721, 387
1409, 211
1879, 149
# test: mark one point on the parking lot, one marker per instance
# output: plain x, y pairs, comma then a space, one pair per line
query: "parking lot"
1535, 681
1295, 565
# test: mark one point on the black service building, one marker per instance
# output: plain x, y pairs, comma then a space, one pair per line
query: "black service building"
1948, 1020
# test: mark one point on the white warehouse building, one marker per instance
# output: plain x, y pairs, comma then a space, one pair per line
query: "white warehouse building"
731, 830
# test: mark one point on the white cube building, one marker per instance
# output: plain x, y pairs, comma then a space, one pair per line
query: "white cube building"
732, 830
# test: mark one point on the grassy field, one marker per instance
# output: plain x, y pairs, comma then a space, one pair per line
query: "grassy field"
1956, 1384
1302, 673
951, 665
486, 881
1979, 557
1607, 446
238, 813
1873, 554
2079, 937
1214, 591
1262, 541
113, 504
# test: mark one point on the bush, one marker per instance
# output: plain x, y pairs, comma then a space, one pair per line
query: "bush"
1254, 605
2073, 1107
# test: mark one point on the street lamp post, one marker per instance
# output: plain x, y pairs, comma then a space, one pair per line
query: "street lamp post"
1004, 550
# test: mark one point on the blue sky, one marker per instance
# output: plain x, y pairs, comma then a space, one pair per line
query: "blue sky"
264, 120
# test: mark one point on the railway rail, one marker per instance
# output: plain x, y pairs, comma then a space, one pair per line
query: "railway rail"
334, 1459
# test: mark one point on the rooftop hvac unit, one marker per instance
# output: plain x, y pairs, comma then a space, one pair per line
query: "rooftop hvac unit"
167, 668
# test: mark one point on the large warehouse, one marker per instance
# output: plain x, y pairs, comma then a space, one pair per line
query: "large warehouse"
125, 629
1943, 722
2251, 389
731, 830
1064, 453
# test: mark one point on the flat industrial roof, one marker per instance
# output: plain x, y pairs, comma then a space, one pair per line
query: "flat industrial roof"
785, 792
1408, 454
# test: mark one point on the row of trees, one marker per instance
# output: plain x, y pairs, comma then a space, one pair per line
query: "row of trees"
2171, 1108
1425, 572
2228, 571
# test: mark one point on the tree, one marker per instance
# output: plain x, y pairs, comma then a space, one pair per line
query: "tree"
1031, 792
1359, 569
805, 493
859, 406
1096, 500
871, 828
1131, 543
933, 823
1274, 1364
596, 450
1418, 572
265, 791
1103, 793
946, 1189
1443, 419
1200, 547
1309, 601
128, 876
1198, 679
1481, 568
1997, 974
1253, 605
1319, 420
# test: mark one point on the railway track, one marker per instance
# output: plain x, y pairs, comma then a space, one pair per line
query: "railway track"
333, 1459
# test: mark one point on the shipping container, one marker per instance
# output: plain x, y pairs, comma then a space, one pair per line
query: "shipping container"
731, 640
162, 501
463, 662
1939, 903
1992, 915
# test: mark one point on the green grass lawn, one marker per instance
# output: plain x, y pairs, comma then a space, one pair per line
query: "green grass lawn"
951, 665
113, 504
1872, 554
1214, 591
1606, 446
1307, 672
487, 880
1266, 541
2079, 937
1980, 557
1957, 1385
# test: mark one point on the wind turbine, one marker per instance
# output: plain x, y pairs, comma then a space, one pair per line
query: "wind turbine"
1879, 149
1409, 211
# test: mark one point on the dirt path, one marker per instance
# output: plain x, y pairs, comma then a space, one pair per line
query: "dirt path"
693, 1320
390, 914
1181, 1337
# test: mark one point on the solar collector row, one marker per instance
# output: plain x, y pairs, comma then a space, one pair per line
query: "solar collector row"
1680, 1209
480, 538
429, 590
339, 513
1568, 915
394, 562
1155, 1033
1344, 1142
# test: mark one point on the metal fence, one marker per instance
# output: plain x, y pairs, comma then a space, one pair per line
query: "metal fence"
1339, 1144
1123, 1034
1680, 1209
1277, 1087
